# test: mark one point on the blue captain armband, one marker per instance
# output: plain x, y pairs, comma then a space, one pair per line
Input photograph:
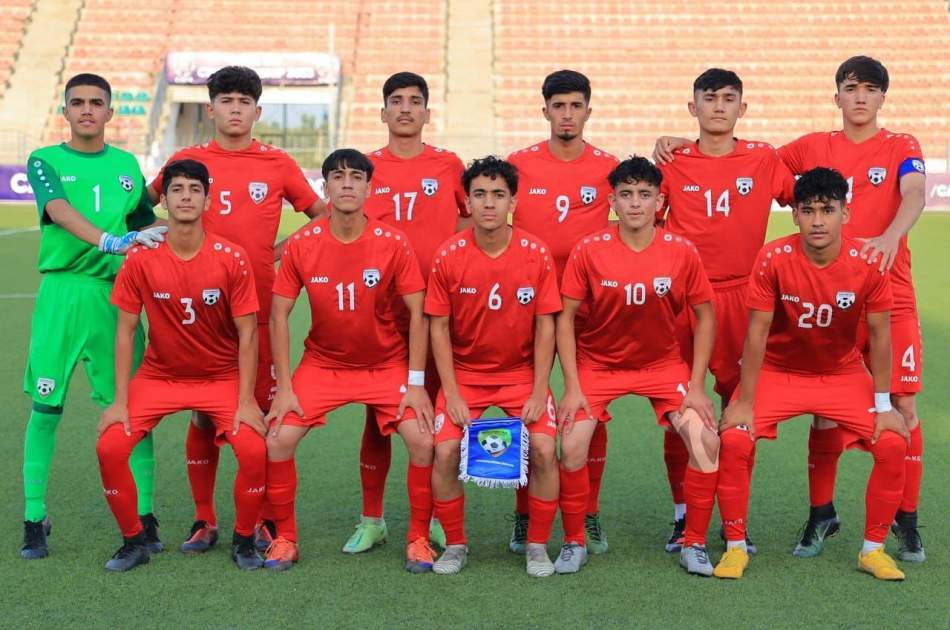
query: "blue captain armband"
912, 165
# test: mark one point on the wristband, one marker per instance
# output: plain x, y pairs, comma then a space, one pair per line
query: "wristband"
882, 402
417, 377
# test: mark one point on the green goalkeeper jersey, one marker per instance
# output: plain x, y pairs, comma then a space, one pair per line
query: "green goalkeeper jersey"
107, 188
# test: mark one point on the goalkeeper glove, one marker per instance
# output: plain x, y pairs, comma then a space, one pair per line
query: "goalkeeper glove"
149, 237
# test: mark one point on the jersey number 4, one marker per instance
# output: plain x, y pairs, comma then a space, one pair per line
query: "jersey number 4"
722, 203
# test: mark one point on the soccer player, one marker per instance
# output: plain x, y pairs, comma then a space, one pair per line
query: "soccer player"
199, 297
491, 303
564, 190
417, 188
718, 193
353, 269
92, 207
249, 183
636, 279
807, 294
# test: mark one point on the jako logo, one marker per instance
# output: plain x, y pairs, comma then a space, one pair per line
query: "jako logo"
159, 295
319, 279
538, 191
199, 462
609, 283
468, 290
691, 188
110, 492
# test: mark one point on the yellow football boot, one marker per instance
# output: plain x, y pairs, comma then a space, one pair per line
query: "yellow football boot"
880, 565
732, 564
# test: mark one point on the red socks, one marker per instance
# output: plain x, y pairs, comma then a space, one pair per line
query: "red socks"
202, 453
700, 490
575, 487
676, 456
541, 519
419, 486
113, 449
913, 470
736, 458
251, 453
375, 458
281, 493
885, 486
451, 514
596, 462
824, 449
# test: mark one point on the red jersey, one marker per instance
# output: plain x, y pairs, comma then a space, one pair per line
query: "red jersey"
722, 203
190, 306
562, 201
634, 297
492, 304
247, 192
816, 310
873, 169
351, 288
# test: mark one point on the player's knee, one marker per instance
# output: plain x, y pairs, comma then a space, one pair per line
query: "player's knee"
447, 459
573, 453
889, 448
703, 444
279, 447
419, 447
543, 456
734, 443
907, 407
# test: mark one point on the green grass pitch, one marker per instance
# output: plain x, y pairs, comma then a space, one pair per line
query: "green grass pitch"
635, 585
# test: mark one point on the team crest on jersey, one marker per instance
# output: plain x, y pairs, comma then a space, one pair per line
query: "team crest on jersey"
257, 191
588, 194
525, 295
371, 277
844, 299
744, 185
45, 386
126, 182
211, 296
430, 186
877, 175
661, 285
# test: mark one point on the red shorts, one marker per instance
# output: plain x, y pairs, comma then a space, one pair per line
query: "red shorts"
151, 399
732, 323
665, 386
266, 385
510, 398
321, 390
847, 399
906, 352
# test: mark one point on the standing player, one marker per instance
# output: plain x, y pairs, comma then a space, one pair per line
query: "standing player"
491, 301
249, 183
719, 193
87, 192
352, 268
807, 295
636, 280
564, 190
417, 188
886, 193
198, 294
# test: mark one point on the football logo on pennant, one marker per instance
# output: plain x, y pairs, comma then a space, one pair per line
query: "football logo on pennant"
525, 295
877, 175
126, 182
211, 296
744, 185
371, 277
257, 191
430, 186
844, 299
45, 386
588, 194
494, 441
661, 286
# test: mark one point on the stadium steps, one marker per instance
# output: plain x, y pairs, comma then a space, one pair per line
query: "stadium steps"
37, 72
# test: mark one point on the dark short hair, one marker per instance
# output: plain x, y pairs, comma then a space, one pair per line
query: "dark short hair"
565, 82
87, 78
240, 79
347, 158
821, 184
863, 69
404, 80
492, 167
189, 169
635, 169
715, 79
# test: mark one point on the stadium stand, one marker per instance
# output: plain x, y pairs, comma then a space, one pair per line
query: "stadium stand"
13, 16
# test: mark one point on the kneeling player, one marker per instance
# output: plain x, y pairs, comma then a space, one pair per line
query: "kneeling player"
491, 299
353, 269
806, 297
636, 279
199, 297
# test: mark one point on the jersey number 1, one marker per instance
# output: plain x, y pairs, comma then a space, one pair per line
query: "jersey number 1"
722, 203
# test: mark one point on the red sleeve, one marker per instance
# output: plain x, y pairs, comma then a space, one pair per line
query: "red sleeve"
762, 285
665, 191
408, 277
458, 169
879, 298
783, 182
793, 155
575, 283
548, 298
297, 190
437, 293
125, 290
288, 282
698, 288
242, 292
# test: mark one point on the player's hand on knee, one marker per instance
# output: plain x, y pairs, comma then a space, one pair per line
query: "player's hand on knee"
114, 414
250, 414
285, 401
417, 398
534, 407
697, 400
890, 421
738, 414
151, 237
457, 410
572, 401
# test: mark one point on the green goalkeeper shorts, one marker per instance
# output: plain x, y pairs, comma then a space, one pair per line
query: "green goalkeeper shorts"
73, 321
